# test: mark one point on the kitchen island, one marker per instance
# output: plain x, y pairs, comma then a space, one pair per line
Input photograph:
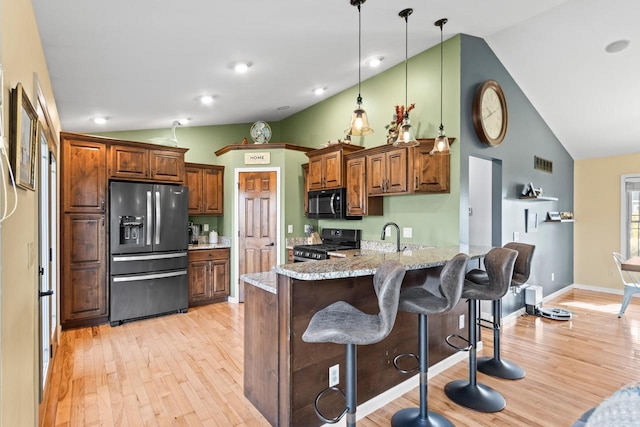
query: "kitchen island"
283, 374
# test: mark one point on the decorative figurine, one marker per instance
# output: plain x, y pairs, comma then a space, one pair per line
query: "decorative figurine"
244, 141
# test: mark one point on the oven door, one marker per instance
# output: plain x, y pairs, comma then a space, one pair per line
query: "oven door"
303, 259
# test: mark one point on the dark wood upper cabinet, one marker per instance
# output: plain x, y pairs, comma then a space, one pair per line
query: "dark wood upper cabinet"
84, 176
358, 202
206, 188
327, 166
143, 163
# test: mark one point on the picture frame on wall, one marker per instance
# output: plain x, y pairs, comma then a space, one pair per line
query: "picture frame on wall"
22, 139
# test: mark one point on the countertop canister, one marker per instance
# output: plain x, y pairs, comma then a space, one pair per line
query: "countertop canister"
213, 236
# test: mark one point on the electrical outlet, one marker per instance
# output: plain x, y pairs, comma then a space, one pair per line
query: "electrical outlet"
516, 236
334, 375
290, 228
553, 276
205, 227
407, 232
461, 322
387, 232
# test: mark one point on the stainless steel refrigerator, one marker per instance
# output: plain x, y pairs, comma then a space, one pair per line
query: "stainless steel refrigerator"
148, 250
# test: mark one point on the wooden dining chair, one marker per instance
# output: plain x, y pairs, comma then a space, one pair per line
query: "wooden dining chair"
630, 280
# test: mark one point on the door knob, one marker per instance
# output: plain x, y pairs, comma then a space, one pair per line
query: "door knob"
45, 293
271, 244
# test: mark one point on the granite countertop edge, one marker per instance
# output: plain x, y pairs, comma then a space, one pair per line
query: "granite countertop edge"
202, 246
265, 280
364, 263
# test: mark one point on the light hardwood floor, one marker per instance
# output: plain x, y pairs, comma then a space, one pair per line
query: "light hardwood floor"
186, 370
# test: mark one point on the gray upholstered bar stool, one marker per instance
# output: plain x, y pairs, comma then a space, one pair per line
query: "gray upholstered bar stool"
495, 366
342, 323
499, 263
422, 302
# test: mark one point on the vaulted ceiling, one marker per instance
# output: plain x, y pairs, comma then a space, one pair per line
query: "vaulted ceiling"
145, 63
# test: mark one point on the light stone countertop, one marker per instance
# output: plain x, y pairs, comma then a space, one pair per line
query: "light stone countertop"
266, 280
367, 262
209, 246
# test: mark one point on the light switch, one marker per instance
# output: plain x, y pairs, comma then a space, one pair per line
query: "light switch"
290, 228
407, 232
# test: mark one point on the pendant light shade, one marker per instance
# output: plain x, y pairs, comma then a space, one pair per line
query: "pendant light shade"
441, 144
359, 125
405, 134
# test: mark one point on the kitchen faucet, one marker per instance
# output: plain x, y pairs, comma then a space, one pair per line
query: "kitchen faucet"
384, 227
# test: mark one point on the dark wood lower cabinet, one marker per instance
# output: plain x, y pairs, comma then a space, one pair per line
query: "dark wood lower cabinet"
274, 325
84, 297
208, 276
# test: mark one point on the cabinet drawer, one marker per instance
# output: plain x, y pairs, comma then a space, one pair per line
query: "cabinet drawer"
208, 254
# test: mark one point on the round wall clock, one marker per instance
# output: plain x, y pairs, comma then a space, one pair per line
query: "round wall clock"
490, 117
260, 132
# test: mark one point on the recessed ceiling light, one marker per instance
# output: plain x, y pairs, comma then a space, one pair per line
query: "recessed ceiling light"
99, 120
183, 121
241, 67
284, 107
617, 46
374, 61
206, 99
319, 90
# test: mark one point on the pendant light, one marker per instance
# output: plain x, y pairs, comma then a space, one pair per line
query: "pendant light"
405, 136
441, 143
359, 122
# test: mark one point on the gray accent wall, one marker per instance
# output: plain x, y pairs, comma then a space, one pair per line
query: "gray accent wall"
527, 136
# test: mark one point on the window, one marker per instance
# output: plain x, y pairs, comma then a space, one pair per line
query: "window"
630, 210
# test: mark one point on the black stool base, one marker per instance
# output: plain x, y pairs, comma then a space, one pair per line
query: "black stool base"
410, 417
500, 368
479, 397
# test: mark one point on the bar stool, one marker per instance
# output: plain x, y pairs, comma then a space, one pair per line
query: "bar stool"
342, 323
499, 263
495, 366
422, 302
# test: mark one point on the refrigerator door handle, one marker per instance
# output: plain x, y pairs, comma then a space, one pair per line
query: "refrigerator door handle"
149, 216
121, 258
158, 218
149, 276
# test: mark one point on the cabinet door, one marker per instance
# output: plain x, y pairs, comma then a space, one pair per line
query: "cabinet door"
212, 191
84, 172
129, 162
199, 280
84, 287
193, 180
166, 165
430, 172
316, 174
396, 168
333, 169
220, 278
305, 188
376, 174
356, 187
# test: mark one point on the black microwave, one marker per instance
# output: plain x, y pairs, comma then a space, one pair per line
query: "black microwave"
329, 204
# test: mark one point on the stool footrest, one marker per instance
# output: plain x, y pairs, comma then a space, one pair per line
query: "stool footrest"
319, 414
488, 324
449, 339
403, 355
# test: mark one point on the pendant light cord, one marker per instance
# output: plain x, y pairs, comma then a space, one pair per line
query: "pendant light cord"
406, 55
359, 100
441, 90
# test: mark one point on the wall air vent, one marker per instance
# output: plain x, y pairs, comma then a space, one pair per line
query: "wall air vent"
542, 164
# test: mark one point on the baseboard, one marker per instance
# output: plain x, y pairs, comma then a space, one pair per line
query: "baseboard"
397, 391
598, 289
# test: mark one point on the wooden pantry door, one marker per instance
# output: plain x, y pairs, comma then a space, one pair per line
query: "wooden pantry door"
257, 226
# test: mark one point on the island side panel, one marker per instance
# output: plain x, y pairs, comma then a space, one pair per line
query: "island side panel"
261, 351
285, 387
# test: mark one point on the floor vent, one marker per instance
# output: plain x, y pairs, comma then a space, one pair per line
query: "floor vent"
542, 164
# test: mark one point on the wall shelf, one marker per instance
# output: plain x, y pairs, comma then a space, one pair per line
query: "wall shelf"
539, 198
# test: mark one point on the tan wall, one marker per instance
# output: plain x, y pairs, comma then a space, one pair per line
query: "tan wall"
597, 210
21, 55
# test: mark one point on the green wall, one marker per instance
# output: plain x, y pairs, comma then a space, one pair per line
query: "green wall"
434, 218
